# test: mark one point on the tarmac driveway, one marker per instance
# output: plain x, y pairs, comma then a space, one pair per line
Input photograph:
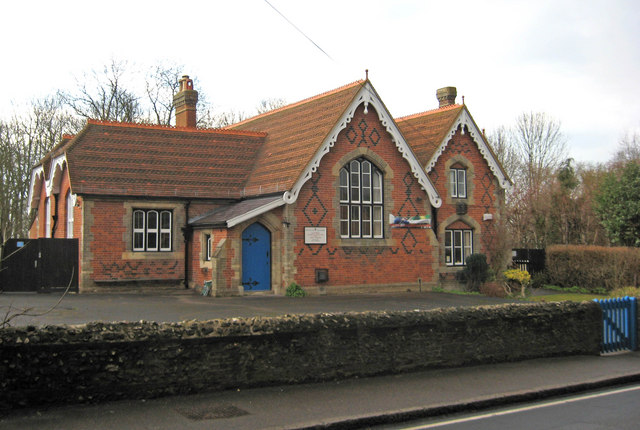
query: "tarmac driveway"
83, 308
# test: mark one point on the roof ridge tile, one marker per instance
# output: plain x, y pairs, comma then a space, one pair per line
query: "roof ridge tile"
299, 103
429, 112
174, 128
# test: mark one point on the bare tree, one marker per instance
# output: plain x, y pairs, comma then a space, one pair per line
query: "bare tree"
161, 85
541, 146
531, 152
501, 141
270, 104
629, 150
24, 141
103, 96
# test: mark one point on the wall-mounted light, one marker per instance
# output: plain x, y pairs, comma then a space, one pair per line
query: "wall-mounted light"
285, 222
487, 217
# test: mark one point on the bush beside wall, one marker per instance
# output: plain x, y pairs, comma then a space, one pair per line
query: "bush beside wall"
101, 361
593, 267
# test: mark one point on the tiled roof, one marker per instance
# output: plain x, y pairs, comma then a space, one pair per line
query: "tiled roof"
263, 155
220, 216
294, 134
140, 160
425, 131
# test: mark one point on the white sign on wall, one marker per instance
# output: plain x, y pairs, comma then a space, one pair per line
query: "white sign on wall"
315, 235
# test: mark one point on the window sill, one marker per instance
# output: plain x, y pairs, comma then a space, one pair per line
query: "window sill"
364, 242
152, 255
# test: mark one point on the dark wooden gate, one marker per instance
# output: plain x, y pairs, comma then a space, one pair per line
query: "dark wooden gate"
42, 265
531, 260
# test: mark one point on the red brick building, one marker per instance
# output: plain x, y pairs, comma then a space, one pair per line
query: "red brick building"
331, 193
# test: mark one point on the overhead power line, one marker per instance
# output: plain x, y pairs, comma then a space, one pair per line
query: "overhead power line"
300, 31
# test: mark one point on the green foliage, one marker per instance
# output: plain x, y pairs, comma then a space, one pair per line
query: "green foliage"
625, 291
577, 290
572, 297
295, 290
539, 280
592, 268
517, 279
457, 292
522, 277
476, 271
617, 204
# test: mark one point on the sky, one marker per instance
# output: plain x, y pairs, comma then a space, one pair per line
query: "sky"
577, 61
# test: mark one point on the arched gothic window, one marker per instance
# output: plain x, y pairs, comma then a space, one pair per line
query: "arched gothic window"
361, 209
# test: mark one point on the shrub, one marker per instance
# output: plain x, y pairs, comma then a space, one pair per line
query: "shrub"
592, 267
493, 289
295, 290
539, 280
476, 271
517, 279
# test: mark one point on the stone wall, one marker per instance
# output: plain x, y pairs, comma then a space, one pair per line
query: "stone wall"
100, 361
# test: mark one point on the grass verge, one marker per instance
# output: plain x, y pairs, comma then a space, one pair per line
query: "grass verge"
573, 297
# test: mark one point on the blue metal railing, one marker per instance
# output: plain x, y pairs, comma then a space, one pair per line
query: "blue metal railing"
619, 331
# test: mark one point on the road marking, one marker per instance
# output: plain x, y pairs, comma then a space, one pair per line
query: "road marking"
522, 409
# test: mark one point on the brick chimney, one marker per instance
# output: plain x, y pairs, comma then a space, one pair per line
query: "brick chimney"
447, 96
185, 103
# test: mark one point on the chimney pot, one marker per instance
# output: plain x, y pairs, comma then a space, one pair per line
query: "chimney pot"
446, 96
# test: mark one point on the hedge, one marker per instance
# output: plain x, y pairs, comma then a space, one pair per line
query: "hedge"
593, 267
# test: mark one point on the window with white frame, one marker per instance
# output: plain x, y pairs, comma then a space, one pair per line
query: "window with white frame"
458, 245
69, 215
47, 220
152, 230
458, 182
207, 244
361, 209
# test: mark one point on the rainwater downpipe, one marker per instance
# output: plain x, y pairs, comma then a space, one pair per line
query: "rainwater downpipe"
186, 231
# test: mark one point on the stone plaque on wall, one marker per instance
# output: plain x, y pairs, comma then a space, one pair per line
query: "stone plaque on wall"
315, 235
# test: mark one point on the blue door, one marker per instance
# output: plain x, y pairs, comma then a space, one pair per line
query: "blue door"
256, 258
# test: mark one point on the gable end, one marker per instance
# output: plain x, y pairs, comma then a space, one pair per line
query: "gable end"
468, 125
366, 96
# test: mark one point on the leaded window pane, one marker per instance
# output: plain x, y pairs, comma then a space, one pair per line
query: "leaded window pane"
366, 221
458, 245
138, 220
366, 182
344, 220
355, 221
377, 187
448, 247
468, 244
360, 194
152, 230
462, 183
377, 221
344, 185
458, 183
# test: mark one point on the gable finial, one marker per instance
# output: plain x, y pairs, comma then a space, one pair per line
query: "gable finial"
366, 74
462, 99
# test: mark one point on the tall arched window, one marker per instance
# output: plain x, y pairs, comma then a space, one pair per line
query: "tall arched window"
69, 215
47, 219
361, 209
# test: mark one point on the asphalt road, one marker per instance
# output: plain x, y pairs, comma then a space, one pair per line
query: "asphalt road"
44, 309
612, 409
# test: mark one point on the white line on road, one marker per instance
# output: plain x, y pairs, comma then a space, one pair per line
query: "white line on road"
523, 409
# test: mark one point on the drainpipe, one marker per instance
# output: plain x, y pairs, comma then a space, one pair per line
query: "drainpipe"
186, 232
55, 215
434, 223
